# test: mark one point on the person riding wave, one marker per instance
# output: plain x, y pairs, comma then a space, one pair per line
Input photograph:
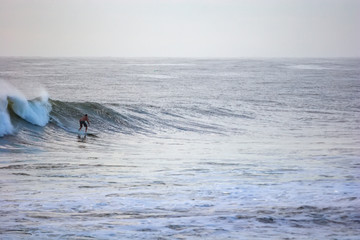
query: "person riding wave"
82, 122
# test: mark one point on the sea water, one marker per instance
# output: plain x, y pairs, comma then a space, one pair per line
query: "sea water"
180, 148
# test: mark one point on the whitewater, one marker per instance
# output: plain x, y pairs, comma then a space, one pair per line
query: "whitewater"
179, 148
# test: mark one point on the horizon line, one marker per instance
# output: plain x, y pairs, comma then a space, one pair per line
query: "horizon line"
186, 57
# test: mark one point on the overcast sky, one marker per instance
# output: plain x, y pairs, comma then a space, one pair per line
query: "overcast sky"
180, 28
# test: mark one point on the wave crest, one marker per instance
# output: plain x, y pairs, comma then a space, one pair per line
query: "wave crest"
34, 111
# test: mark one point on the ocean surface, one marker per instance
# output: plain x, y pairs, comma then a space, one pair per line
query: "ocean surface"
180, 148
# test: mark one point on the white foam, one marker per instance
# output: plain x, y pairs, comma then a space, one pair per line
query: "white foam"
5, 123
35, 111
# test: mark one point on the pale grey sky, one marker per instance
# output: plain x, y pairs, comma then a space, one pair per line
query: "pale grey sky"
180, 28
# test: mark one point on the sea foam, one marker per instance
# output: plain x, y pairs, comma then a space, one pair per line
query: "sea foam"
5, 123
34, 111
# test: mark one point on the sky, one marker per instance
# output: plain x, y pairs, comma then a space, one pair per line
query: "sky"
180, 28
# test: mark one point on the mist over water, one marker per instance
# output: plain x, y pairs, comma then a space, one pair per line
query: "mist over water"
179, 148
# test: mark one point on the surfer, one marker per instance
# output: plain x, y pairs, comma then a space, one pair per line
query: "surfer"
82, 122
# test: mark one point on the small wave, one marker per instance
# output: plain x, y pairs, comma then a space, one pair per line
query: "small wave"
153, 76
308, 67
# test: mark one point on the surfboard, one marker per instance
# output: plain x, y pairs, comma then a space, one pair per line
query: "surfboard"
89, 134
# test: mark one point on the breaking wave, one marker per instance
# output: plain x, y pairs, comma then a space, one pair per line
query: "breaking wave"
16, 113
131, 119
13, 102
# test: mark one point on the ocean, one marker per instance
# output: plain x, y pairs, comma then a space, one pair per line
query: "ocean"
179, 148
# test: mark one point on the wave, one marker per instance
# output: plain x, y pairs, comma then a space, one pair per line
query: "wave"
16, 113
34, 111
308, 67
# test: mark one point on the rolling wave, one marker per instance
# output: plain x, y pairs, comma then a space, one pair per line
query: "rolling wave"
17, 113
104, 118
13, 102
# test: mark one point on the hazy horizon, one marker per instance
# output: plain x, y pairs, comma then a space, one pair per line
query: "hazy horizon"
180, 28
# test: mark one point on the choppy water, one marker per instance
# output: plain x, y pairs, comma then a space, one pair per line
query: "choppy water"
180, 148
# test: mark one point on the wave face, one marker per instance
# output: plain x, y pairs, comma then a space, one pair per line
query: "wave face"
34, 111
138, 118
103, 119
